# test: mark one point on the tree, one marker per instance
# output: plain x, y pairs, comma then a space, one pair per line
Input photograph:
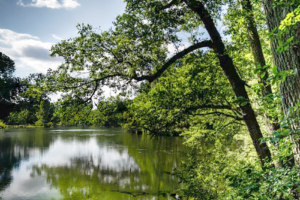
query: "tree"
10, 86
8, 83
136, 51
71, 114
196, 89
286, 58
259, 59
18, 118
110, 111
246, 26
44, 113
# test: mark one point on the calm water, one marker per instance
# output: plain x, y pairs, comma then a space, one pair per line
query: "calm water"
41, 164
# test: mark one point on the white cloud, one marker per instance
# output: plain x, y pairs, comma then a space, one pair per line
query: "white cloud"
56, 37
30, 54
54, 4
70, 4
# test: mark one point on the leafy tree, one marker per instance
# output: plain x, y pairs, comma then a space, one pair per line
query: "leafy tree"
68, 114
197, 88
136, 51
7, 68
18, 118
110, 111
286, 53
10, 86
33, 102
44, 114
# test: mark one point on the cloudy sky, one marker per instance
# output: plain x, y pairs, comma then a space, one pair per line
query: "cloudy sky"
28, 28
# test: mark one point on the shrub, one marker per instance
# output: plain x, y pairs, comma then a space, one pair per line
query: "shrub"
39, 123
49, 124
2, 126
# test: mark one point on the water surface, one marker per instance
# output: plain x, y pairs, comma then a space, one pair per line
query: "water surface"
90, 163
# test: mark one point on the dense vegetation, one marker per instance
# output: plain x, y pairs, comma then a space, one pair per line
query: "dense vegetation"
237, 91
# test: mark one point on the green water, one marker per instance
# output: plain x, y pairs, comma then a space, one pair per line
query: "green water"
92, 163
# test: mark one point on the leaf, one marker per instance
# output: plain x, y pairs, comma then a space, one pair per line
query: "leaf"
274, 70
262, 74
256, 70
244, 103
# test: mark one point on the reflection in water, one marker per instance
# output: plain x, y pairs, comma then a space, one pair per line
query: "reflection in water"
86, 164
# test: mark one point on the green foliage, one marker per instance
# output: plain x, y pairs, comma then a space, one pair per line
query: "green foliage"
31, 111
196, 88
10, 86
2, 125
44, 113
18, 118
107, 112
7, 66
192, 96
212, 156
39, 123
287, 31
110, 112
291, 19
250, 183
69, 113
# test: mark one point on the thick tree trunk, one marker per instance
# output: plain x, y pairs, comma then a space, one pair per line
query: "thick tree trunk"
259, 58
286, 60
238, 85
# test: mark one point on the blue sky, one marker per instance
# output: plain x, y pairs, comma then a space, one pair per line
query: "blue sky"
28, 28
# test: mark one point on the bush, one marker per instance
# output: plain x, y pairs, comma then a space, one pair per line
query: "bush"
39, 123
18, 118
2, 126
49, 124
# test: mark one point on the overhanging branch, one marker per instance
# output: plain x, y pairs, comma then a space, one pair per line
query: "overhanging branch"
159, 72
95, 80
220, 113
179, 55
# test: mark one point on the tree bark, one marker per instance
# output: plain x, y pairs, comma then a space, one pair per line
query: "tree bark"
237, 84
287, 60
259, 58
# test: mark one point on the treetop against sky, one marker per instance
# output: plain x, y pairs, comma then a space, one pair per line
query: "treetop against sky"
28, 28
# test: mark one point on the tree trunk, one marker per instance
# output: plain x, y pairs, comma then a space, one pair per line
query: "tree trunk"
287, 60
237, 84
259, 58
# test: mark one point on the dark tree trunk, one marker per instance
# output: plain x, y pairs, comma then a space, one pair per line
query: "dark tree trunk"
286, 60
259, 58
238, 85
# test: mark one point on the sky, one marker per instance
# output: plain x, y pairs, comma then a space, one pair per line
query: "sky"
28, 28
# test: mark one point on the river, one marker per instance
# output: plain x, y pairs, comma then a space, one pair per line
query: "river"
87, 163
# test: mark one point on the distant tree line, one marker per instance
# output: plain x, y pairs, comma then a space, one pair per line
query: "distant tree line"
23, 104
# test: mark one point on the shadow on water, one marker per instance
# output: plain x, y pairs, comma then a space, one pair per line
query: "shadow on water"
87, 164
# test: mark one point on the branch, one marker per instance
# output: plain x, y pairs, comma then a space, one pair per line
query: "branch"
232, 122
95, 80
151, 78
220, 113
222, 107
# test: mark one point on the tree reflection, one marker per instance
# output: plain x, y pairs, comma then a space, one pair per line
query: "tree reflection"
15, 147
82, 164
150, 175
